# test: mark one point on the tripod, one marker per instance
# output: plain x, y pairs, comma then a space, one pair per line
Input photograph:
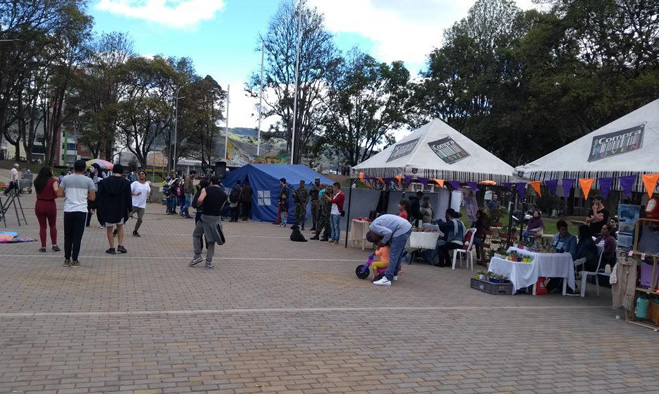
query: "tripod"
14, 198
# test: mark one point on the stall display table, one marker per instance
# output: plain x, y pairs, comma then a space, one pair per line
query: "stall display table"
358, 230
420, 241
548, 265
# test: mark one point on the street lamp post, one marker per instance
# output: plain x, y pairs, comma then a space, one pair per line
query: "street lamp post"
176, 125
297, 76
226, 127
258, 144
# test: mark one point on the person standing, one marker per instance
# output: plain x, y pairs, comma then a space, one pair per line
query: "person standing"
114, 205
314, 196
324, 226
76, 190
140, 191
598, 216
246, 201
301, 197
394, 231
212, 199
13, 179
336, 212
234, 201
283, 202
94, 172
203, 183
45, 207
188, 191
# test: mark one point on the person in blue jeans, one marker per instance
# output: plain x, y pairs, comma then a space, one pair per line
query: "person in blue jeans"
337, 200
395, 231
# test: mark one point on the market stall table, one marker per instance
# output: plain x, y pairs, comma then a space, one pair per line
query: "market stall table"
358, 230
548, 265
420, 241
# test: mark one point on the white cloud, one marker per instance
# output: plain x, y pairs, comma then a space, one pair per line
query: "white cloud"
243, 109
174, 13
400, 29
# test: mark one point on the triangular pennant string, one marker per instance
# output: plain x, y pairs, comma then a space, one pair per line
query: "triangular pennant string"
586, 184
650, 183
605, 186
551, 185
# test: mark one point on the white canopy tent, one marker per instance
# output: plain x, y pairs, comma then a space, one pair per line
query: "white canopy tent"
626, 146
436, 150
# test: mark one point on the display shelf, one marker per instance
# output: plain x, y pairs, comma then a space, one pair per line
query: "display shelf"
652, 290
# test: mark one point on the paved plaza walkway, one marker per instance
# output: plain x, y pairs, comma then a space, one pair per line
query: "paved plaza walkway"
281, 317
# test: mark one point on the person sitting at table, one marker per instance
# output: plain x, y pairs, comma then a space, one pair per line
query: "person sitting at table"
426, 211
613, 228
481, 227
562, 242
587, 254
454, 231
610, 244
536, 226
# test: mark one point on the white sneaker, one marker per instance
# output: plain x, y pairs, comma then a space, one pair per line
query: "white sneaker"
382, 282
396, 277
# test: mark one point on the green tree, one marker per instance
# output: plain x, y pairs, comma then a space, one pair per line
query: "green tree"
319, 59
366, 101
145, 109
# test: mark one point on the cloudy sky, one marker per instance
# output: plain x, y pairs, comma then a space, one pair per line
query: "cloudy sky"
221, 36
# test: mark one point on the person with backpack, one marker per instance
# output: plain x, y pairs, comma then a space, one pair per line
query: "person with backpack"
234, 201
454, 232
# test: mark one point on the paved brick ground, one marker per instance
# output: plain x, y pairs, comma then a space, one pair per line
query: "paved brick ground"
277, 316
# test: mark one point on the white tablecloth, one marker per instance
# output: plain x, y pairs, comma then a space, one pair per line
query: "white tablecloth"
548, 265
422, 240
358, 230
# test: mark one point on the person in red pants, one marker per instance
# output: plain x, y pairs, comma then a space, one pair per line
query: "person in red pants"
45, 208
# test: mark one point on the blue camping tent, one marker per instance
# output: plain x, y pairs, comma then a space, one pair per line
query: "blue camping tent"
264, 179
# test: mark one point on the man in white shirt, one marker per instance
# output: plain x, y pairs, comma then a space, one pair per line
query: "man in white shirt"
140, 191
13, 179
76, 190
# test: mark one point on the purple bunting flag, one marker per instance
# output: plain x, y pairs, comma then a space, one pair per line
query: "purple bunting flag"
627, 183
521, 189
551, 185
408, 178
454, 184
423, 181
507, 185
473, 186
605, 186
567, 186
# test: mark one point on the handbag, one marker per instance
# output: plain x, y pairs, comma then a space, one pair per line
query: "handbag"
222, 238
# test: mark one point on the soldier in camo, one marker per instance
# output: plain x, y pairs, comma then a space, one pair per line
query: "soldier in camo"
314, 196
324, 225
301, 198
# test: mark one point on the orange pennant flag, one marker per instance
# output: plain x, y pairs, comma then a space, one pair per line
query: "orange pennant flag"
536, 186
398, 178
440, 182
586, 185
650, 183
361, 176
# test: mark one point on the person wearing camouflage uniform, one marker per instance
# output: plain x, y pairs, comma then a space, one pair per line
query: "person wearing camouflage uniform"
324, 225
301, 197
314, 196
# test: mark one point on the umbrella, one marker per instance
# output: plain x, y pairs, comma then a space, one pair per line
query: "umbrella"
105, 165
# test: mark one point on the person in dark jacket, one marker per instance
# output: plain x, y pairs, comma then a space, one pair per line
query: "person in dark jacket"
114, 205
246, 201
414, 210
587, 253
